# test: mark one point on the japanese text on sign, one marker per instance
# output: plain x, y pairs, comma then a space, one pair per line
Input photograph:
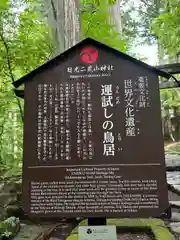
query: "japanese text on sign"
129, 109
143, 100
54, 133
107, 103
84, 121
90, 69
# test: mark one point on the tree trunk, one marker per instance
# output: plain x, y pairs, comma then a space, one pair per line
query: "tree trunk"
64, 19
115, 16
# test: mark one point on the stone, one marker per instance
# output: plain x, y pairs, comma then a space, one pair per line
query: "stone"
10, 193
175, 203
172, 160
173, 196
13, 210
5, 199
18, 186
173, 176
175, 227
173, 179
29, 232
9, 187
19, 196
175, 217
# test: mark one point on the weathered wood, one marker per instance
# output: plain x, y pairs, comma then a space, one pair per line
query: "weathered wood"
173, 68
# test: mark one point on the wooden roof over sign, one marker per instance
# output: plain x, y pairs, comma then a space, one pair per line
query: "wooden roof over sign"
161, 71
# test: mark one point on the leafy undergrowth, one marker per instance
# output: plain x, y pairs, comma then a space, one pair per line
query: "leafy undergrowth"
7, 173
9, 228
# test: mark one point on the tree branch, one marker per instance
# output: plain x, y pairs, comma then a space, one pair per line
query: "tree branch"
148, 5
11, 72
89, 24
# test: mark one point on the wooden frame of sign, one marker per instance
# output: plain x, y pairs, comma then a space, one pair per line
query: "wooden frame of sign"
91, 115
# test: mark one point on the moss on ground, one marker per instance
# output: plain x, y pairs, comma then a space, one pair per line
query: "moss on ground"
157, 227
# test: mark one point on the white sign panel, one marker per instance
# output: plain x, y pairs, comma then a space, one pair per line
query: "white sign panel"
97, 233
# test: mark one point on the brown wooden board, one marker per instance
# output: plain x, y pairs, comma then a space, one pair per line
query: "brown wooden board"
93, 142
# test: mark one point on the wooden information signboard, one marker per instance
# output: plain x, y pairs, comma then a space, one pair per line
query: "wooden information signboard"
93, 143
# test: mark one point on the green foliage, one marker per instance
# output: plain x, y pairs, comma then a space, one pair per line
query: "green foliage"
137, 20
130, 27
166, 28
24, 44
3, 5
170, 106
96, 24
99, 2
170, 98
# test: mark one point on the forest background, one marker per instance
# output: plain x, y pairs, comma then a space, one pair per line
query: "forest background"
34, 31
